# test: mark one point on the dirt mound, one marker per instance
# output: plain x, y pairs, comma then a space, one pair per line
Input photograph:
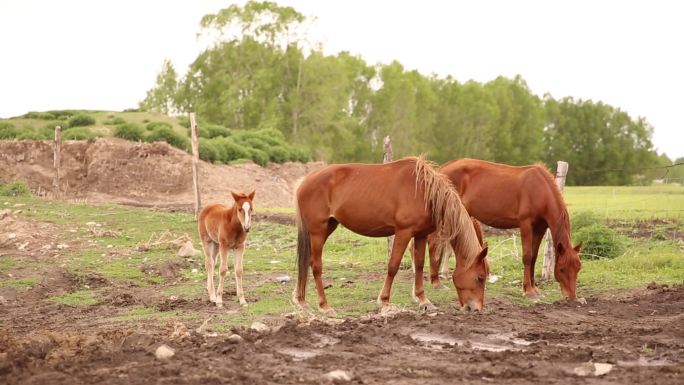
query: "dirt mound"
156, 174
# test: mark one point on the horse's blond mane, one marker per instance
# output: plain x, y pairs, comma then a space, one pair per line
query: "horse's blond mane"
448, 213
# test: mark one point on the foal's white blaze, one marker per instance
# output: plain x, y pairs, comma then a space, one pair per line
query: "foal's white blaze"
245, 208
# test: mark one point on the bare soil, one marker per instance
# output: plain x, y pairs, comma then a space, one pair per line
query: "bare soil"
638, 332
143, 174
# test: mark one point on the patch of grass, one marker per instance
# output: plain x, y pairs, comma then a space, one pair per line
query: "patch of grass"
77, 298
19, 283
149, 313
7, 263
14, 189
627, 202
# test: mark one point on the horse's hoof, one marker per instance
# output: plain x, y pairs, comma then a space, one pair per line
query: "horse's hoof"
533, 295
219, 305
388, 309
439, 286
427, 307
581, 301
328, 311
243, 303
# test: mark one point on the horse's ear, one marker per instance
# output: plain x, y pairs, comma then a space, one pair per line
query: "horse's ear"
579, 246
236, 196
559, 248
483, 253
251, 195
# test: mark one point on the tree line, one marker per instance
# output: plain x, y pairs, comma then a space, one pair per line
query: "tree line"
262, 73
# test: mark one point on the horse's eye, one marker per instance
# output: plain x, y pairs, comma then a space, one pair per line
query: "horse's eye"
562, 270
480, 279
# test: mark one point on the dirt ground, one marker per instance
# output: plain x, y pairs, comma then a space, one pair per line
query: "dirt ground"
143, 174
637, 335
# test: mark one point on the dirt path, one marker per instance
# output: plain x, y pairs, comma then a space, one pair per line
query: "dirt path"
640, 334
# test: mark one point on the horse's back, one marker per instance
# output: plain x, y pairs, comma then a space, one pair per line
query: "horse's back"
498, 194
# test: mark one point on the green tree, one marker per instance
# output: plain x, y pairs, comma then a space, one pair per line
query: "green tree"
162, 98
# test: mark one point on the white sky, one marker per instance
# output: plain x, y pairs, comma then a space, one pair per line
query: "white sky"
105, 54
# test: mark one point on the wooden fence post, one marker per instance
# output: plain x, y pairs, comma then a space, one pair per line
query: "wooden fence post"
549, 255
386, 159
195, 163
57, 159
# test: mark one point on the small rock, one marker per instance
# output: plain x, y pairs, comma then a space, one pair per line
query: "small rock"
260, 327
338, 375
493, 278
19, 204
187, 250
11, 236
110, 246
235, 339
592, 369
62, 246
46, 247
163, 352
22, 246
273, 262
17, 212
283, 278
194, 271
90, 224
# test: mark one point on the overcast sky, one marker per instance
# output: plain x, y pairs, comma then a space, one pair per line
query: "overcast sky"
105, 54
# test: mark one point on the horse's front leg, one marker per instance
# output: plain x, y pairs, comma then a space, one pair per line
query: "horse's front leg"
223, 251
419, 260
238, 274
401, 240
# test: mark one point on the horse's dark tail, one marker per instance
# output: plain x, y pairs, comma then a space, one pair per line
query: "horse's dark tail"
303, 256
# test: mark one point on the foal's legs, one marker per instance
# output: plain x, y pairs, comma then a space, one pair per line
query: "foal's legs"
238, 274
401, 240
210, 250
418, 289
223, 251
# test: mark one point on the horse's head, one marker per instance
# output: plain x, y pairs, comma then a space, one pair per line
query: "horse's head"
244, 206
568, 264
470, 282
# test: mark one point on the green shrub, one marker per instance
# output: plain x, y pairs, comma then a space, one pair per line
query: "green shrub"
78, 133
300, 154
81, 120
129, 131
184, 121
258, 156
146, 120
228, 150
114, 121
208, 151
14, 189
8, 131
583, 219
214, 131
39, 115
169, 136
599, 241
279, 154
272, 133
151, 126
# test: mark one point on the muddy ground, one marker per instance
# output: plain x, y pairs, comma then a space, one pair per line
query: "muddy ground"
640, 335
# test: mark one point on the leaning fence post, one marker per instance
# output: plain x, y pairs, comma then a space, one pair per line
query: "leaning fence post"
57, 155
195, 163
549, 255
386, 159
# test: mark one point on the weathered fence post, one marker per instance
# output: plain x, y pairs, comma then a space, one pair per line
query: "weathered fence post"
549, 255
57, 158
195, 163
386, 159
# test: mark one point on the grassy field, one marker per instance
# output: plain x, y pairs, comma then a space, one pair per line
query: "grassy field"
354, 266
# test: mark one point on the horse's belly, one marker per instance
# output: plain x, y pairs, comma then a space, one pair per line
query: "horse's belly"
368, 229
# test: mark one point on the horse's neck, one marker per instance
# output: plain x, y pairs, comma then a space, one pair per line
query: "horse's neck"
559, 223
232, 218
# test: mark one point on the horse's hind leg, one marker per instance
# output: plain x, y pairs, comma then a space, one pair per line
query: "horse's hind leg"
401, 240
418, 289
223, 252
210, 250
529, 258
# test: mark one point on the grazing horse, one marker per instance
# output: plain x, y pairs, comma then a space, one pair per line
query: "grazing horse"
527, 197
220, 229
407, 198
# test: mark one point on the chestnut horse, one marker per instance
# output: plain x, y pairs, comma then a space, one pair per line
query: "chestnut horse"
220, 229
527, 197
407, 198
